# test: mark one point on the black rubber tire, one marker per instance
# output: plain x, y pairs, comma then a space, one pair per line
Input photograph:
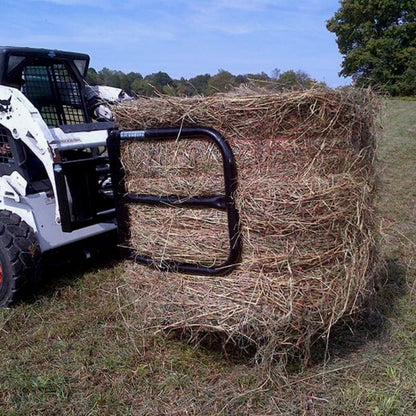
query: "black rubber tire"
20, 258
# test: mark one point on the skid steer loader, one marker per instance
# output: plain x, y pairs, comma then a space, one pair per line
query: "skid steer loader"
61, 179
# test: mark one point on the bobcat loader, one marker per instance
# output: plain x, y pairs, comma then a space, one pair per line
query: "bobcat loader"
61, 179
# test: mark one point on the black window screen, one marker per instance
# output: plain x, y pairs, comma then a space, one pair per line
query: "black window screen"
7, 161
55, 93
5, 150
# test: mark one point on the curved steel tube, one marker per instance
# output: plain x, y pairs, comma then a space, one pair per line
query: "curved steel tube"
224, 202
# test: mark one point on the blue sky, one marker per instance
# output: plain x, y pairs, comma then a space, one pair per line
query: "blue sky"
183, 37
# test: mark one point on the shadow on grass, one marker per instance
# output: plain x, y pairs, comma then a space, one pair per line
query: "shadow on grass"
233, 351
347, 336
64, 267
55, 277
372, 321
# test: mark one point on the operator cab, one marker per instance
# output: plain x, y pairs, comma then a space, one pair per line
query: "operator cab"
53, 81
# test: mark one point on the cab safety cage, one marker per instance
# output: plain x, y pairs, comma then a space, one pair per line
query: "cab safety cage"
224, 202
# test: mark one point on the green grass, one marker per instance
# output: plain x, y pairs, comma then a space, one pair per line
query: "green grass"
74, 349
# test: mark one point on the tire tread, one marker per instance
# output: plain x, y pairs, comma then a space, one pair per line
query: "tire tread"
21, 247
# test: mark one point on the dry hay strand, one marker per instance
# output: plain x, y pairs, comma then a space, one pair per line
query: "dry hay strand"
305, 195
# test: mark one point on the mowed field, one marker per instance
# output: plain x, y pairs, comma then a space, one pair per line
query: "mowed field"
77, 348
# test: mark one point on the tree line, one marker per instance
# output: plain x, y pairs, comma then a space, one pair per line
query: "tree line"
160, 82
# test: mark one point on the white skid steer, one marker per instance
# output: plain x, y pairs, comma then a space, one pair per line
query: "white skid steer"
56, 187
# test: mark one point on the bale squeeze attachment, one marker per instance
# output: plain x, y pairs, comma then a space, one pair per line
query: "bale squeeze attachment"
223, 202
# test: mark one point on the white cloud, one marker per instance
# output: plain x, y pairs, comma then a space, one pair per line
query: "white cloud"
239, 17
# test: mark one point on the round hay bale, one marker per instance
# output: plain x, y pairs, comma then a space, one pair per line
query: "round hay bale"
305, 195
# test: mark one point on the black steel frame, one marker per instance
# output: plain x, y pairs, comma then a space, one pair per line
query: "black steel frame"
81, 176
225, 202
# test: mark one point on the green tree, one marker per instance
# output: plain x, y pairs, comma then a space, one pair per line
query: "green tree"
138, 87
109, 77
93, 78
128, 80
221, 82
378, 41
200, 83
295, 79
156, 82
194, 86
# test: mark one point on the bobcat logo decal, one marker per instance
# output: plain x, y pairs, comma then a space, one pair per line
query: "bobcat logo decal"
5, 106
